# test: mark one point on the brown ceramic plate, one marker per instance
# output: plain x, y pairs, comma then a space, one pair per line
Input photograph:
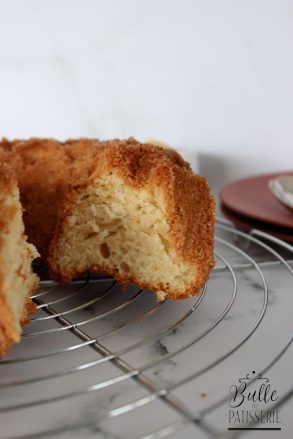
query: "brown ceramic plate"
246, 224
252, 198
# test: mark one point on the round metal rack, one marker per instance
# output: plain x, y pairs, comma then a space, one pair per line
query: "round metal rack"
99, 362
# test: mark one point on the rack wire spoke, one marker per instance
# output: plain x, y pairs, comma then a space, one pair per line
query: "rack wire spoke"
54, 286
68, 296
182, 423
86, 343
83, 322
75, 309
80, 367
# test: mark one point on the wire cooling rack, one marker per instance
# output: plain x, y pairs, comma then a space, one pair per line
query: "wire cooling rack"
99, 362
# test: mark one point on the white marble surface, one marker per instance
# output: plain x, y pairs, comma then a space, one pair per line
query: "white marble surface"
213, 78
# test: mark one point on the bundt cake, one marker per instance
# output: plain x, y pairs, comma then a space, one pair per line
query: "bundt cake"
17, 281
142, 216
133, 210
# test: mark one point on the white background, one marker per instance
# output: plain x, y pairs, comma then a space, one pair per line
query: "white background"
210, 76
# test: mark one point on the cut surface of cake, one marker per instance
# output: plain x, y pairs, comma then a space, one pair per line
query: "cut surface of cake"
142, 216
17, 281
44, 168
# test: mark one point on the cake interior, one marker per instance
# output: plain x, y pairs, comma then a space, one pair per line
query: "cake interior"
124, 230
19, 281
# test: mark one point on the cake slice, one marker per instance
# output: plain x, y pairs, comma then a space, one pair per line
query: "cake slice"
17, 281
142, 216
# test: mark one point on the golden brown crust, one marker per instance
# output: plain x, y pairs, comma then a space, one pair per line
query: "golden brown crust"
9, 332
190, 207
29, 307
44, 168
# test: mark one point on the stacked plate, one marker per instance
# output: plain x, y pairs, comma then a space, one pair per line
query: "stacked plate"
250, 204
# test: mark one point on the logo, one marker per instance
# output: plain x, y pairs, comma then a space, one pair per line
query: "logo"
249, 403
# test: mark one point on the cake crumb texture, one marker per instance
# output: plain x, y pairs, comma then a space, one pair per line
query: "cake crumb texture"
143, 216
17, 281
